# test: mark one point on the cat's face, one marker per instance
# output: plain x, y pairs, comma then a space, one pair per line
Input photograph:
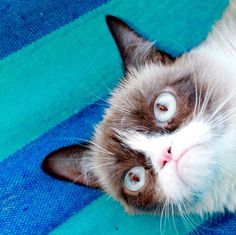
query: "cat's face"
160, 142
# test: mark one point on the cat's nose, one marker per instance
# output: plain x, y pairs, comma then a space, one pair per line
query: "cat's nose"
166, 157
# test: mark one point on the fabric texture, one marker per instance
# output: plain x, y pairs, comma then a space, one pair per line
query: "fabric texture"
114, 221
31, 201
37, 202
57, 59
22, 22
56, 76
220, 224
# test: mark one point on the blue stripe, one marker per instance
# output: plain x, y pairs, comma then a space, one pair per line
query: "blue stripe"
32, 202
219, 224
22, 22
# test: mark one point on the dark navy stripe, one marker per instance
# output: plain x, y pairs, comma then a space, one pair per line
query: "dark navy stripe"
23, 21
32, 202
219, 224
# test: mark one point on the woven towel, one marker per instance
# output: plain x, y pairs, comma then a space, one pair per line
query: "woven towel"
57, 59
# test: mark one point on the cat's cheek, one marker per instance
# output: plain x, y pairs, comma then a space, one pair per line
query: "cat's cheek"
199, 172
173, 186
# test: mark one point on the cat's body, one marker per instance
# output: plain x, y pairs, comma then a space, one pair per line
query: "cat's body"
169, 136
216, 58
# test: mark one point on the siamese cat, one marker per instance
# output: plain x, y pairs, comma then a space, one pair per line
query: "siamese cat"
168, 137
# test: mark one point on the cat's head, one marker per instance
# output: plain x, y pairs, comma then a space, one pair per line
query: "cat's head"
164, 140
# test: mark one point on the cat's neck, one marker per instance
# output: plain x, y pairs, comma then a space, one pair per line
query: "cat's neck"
223, 35
217, 54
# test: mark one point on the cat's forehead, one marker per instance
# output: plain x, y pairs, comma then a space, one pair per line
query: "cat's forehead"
157, 74
132, 102
152, 78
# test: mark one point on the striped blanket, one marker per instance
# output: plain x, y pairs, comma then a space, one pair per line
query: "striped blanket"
57, 61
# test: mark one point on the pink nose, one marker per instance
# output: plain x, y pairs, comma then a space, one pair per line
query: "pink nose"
166, 157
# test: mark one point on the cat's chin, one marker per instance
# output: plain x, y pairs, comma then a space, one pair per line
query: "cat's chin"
175, 189
185, 181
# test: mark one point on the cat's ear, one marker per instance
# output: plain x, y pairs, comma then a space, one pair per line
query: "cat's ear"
134, 49
71, 163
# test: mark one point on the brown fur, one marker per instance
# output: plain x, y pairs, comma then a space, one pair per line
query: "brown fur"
140, 118
132, 108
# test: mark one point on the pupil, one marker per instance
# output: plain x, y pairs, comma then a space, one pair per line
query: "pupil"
162, 107
134, 177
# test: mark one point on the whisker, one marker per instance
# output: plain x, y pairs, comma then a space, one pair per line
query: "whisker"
162, 230
98, 166
210, 88
221, 106
102, 150
223, 117
173, 219
116, 106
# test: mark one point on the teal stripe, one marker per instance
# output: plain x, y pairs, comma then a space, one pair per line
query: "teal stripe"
51, 79
105, 216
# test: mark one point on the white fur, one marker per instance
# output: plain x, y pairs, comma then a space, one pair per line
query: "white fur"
194, 138
206, 175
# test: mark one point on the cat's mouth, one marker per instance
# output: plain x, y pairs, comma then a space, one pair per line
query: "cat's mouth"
180, 162
178, 176
178, 159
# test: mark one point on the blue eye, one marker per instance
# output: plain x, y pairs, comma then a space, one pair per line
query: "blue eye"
134, 179
165, 107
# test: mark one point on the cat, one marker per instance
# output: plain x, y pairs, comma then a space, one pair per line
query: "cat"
168, 137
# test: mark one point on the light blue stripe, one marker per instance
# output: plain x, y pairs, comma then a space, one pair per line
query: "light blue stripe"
106, 217
56, 76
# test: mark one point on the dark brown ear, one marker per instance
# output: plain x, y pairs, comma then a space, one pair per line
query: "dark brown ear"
134, 49
71, 163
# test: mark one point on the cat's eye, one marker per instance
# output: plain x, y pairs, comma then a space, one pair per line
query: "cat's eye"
165, 107
134, 179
